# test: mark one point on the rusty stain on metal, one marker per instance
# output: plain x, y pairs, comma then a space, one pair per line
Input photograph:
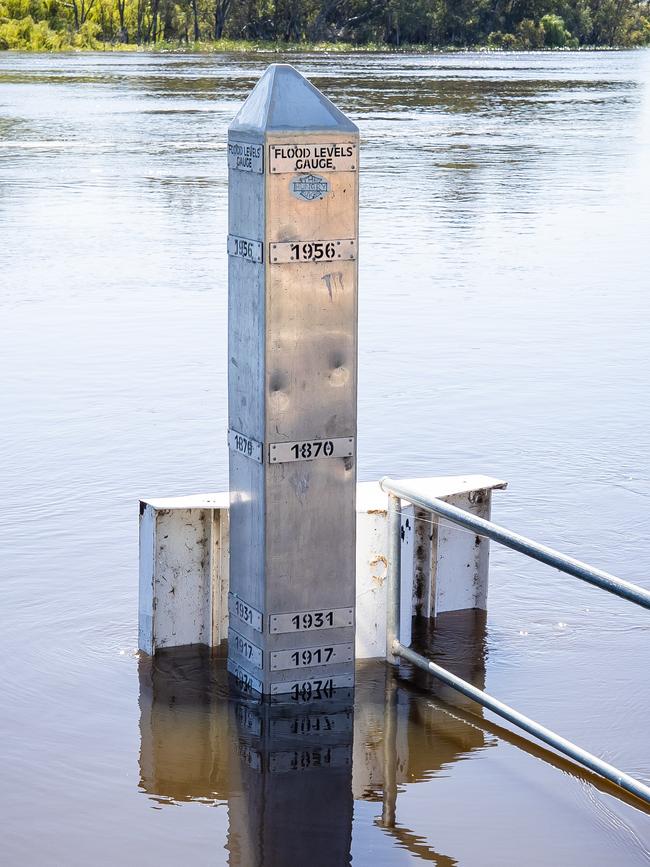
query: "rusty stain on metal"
379, 579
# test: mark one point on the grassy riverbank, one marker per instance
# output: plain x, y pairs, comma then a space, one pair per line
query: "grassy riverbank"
319, 25
41, 42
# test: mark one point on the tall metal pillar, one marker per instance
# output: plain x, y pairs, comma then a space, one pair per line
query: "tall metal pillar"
292, 386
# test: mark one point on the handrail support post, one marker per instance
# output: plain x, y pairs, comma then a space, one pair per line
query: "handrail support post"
393, 576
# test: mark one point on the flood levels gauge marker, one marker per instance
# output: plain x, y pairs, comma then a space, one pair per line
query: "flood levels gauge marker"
293, 161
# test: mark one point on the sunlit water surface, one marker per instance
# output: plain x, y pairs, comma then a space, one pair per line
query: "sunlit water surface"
504, 321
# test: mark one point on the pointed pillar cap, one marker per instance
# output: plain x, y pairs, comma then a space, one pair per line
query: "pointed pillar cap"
284, 101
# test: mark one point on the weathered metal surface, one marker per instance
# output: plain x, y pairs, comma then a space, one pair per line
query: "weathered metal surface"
175, 606
209, 556
408, 565
220, 573
292, 362
459, 553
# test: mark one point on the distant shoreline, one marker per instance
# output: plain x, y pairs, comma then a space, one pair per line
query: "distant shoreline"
244, 47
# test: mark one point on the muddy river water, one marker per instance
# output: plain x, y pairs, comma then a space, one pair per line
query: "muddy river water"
504, 321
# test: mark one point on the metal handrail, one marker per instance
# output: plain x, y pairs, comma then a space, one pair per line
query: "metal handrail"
396, 650
571, 566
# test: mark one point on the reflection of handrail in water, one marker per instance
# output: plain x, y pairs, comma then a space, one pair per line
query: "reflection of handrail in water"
416, 846
539, 752
406, 838
395, 650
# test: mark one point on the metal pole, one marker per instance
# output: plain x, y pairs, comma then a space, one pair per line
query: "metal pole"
597, 577
393, 576
559, 743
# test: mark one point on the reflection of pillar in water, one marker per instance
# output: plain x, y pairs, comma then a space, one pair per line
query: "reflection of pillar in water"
290, 768
284, 767
293, 778
184, 737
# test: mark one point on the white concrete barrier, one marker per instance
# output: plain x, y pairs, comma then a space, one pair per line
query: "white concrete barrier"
184, 564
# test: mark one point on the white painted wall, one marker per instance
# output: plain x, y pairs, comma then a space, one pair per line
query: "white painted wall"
184, 564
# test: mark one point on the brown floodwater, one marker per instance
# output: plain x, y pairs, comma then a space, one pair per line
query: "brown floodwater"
504, 329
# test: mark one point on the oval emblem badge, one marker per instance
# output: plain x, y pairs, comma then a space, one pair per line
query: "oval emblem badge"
309, 188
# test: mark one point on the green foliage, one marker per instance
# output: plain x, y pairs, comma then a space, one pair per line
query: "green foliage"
221, 25
555, 33
529, 35
27, 35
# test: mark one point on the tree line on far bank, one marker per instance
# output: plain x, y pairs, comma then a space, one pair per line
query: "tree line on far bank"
52, 25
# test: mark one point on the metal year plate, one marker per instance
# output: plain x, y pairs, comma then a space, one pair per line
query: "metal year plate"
313, 251
313, 688
311, 450
306, 621
305, 157
245, 648
246, 156
312, 724
250, 757
252, 251
249, 722
310, 757
237, 442
244, 679
309, 657
245, 612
